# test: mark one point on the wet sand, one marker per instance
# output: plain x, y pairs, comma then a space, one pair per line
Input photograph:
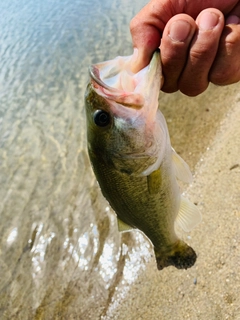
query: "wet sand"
210, 289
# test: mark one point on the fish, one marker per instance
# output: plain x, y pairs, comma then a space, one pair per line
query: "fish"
136, 167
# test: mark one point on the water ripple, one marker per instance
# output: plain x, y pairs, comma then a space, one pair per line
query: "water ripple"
60, 252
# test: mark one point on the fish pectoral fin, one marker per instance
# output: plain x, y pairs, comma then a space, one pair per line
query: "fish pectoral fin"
181, 168
154, 181
188, 216
122, 226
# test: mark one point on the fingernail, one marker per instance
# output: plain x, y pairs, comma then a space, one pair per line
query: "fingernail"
179, 30
208, 20
232, 20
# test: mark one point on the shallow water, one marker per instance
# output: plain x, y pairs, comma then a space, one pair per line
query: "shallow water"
60, 252
61, 256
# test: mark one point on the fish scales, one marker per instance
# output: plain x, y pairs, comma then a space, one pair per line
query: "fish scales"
131, 192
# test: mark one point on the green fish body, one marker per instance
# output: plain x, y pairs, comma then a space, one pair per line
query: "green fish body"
132, 158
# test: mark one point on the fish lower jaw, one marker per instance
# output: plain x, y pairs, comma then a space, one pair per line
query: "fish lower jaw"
180, 256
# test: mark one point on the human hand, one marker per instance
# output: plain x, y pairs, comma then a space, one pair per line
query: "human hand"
200, 42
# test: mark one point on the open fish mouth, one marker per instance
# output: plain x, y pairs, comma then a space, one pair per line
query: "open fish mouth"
127, 97
95, 76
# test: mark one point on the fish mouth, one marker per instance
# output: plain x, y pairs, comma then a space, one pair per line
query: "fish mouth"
130, 100
95, 76
115, 81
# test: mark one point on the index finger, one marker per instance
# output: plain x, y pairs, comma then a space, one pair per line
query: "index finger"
146, 29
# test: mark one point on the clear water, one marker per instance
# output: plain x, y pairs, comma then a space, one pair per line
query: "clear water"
60, 256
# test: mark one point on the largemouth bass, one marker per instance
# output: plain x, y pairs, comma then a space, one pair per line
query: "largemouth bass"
132, 158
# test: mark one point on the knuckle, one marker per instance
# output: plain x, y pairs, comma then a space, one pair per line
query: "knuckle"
199, 53
133, 24
169, 87
219, 76
194, 89
173, 61
230, 36
226, 67
224, 75
191, 93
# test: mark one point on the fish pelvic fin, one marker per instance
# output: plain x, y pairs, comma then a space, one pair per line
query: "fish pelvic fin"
122, 226
181, 256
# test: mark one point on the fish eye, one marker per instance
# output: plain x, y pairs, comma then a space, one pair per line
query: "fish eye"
101, 118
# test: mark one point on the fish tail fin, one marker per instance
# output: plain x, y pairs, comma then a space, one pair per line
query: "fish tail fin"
180, 256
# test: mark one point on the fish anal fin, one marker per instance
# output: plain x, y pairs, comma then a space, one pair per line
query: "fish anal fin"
181, 168
188, 216
154, 181
122, 226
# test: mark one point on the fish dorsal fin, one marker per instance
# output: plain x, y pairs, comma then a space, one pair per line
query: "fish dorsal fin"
154, 181
188, 216
122, 226
181, 168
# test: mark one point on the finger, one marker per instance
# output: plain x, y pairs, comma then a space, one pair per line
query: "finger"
226, 67
175, 42
232, 19
146, 30
233, 16
147, 26
147, 44
194, 79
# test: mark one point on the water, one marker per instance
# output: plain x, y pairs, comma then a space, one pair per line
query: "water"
61, 256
